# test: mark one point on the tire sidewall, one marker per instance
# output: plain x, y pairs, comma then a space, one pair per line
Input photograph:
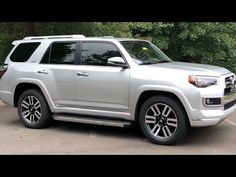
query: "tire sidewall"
181, 130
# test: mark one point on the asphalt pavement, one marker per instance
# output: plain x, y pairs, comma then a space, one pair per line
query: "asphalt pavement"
75, 138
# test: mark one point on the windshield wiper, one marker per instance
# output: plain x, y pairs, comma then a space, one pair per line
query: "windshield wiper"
148, 63
164, 61
152, 62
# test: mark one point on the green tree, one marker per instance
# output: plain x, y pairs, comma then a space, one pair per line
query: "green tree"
210, 43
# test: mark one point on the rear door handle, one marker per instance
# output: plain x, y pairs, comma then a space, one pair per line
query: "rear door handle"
42, 72
82, 74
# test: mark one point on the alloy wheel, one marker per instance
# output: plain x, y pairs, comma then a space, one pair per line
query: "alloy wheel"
31, 109
161, 121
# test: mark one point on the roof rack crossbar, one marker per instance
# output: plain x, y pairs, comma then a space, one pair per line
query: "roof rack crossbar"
54, 37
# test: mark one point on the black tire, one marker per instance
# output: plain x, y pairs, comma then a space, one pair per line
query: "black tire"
176, 109
45, 114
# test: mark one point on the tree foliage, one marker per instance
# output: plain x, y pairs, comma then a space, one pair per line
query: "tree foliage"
210, 43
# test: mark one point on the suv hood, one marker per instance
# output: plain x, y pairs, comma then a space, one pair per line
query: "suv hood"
193, 68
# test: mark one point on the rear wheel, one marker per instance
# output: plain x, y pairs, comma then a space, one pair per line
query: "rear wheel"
163, 120
33, 109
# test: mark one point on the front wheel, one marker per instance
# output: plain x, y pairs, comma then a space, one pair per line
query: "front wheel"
163, 120
33, 109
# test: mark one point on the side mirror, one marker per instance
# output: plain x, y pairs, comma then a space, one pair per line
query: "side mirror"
117, 61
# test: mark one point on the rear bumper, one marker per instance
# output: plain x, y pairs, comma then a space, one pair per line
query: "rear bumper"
7, 97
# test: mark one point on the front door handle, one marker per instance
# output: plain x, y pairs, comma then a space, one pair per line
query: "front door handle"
82, 74
42, 72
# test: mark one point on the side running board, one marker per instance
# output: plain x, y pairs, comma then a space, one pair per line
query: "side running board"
97, 121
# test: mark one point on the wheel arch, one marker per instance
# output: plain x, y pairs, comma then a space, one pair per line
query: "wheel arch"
23, 86
150, 93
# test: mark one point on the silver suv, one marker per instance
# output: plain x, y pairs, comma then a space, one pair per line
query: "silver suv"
116, 82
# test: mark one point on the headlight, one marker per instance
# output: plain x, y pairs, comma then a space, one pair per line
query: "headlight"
202, 81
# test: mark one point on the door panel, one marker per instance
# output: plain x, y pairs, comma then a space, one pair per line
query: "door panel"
105, 87
58, 73
60, 83
100, 85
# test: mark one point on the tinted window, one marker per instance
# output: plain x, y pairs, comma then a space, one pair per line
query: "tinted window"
24, 51
45, 58
60, 53
98, 53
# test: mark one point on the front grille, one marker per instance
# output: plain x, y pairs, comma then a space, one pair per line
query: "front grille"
229, 105
229, 84
227, 91
228, 80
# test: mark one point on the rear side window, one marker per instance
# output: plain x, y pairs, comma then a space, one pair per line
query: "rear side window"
24, 51
60, 53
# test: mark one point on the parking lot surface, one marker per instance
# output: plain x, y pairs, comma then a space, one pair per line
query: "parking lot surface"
74, 138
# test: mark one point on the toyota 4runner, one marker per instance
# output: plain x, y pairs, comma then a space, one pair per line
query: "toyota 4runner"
115, 82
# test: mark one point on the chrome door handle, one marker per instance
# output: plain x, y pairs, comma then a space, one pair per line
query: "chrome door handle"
82, 74
42, 72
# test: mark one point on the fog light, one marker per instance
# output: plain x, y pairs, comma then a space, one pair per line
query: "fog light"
213, 101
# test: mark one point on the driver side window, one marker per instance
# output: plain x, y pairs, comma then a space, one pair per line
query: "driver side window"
97, 53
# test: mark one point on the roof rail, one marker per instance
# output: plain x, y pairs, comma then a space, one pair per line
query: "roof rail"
54, 37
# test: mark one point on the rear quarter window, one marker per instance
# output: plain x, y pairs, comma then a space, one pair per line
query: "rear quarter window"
24, 51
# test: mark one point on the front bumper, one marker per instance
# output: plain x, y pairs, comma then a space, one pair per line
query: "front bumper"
210, 117
229, 100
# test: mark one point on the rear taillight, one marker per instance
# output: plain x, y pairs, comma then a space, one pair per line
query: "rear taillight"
3, 69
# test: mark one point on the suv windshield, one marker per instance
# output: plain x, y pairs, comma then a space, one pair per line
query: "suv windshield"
145, 52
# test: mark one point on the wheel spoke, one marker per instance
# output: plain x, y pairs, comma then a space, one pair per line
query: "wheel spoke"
155, 110
26, 113
31, 100
166, 131
37, 114
150, 119
25, 104
172, 122
158, 110
157, 126
37, 105
31, 118
158, 130
166, 111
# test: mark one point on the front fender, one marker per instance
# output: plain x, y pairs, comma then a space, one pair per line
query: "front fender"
167, 89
